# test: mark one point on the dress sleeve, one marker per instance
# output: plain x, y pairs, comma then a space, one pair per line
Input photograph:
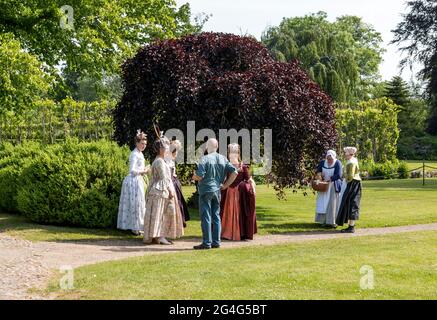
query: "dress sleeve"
319, 167
133, 159
337, 171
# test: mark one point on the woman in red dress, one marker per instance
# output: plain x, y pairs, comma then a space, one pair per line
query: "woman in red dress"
237, 207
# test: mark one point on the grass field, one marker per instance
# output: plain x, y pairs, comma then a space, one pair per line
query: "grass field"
384, 203
414, 164
404, 267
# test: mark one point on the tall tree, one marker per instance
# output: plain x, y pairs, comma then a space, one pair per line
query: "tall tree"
22, 80
342, 57
397, 90
226, 81
418, 35
91, 36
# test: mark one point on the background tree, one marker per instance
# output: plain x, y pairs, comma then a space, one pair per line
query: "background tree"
397, 90
342, 57
102, 34
22, 80
227, 81
418, 33
371, 126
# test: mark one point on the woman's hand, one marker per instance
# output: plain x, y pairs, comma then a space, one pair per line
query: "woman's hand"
170, 194
147, 169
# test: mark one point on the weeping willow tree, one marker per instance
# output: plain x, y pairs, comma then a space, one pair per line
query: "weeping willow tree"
342, 57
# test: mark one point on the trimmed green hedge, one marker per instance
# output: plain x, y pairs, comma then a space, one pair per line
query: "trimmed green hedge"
73, 183
13, 160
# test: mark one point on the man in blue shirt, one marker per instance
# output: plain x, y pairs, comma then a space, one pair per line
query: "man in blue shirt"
211, 174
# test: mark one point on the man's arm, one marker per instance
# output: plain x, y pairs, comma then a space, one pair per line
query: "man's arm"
195, 177
199, 173
229, 180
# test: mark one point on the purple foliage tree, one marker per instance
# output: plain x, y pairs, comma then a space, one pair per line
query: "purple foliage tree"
228, 81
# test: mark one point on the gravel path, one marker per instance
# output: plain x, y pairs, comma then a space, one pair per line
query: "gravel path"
25, 264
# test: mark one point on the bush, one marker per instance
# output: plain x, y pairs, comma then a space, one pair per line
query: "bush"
403, 170
13, 160
76, 184
384, 170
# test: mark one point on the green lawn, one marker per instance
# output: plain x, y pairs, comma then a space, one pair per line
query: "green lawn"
384, 203
414, 164
404, 266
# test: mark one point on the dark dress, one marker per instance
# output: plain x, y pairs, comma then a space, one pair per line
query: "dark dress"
350, 203
248, 225
178, 189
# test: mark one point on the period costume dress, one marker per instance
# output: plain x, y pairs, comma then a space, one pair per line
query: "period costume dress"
246, 189
131, 208
230, 209
161, 218
350, 202
238, 197
328, 202
183, 208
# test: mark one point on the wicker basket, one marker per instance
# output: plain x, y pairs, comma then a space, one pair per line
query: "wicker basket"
320, 186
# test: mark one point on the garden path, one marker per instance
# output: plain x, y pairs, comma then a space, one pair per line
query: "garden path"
28, 265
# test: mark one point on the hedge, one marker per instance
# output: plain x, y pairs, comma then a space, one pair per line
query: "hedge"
74, 184
13, 160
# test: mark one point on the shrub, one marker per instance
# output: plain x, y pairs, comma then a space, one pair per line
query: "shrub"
74, 183
13, 160
384, 170
403, 170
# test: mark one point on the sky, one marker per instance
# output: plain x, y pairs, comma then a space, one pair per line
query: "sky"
253, 16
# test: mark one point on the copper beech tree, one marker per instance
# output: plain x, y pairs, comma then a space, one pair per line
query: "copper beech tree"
224, 81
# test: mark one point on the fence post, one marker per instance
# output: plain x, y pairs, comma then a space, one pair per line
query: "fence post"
423, 174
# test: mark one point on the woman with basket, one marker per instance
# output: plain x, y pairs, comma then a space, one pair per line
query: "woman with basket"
328, 184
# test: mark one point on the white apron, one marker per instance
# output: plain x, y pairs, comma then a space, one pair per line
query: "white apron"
324, 197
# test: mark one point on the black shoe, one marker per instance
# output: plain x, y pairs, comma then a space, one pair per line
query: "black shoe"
350, 229
201, 247
215, 246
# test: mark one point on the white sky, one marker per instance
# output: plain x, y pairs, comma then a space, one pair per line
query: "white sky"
253, 16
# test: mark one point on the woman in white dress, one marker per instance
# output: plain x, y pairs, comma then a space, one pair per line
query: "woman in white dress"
327, 204
162, 219
132, 200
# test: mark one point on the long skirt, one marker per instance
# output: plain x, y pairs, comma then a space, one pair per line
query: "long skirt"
230, 214
183, 208
248, 225
350, 203
162, 218
155, 207
327, 206
173, 223
132, 207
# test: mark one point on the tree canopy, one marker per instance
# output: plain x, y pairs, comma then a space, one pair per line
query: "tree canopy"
342, 56
22, 79
89, 36
224, 81
418, 35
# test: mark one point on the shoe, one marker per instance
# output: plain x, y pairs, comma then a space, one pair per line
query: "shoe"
350, 229
164, 241
135, 232
155, 241
215, 246
201, 247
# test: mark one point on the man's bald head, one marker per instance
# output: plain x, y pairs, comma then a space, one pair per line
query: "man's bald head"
212, 145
